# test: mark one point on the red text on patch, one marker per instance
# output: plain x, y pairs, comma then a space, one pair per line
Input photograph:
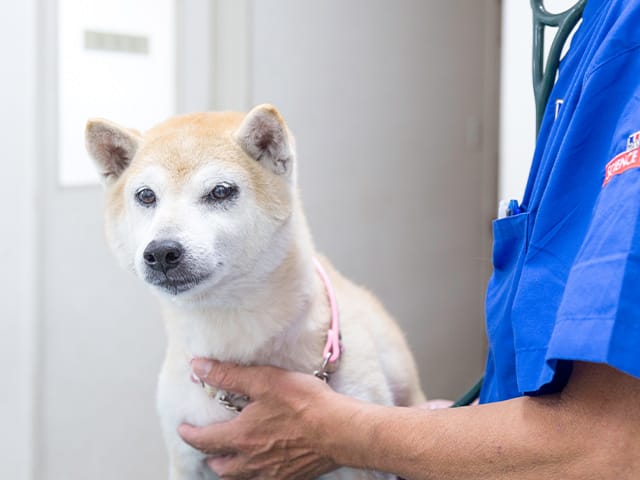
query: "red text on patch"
621, 163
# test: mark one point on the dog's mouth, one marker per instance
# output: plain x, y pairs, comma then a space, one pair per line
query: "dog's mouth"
177, 285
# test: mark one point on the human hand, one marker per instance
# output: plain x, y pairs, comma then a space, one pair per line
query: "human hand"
277, 436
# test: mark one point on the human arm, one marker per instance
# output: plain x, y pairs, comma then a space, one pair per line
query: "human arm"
296, 427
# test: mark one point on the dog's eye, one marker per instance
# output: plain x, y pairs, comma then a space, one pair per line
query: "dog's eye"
146, 197
222, 191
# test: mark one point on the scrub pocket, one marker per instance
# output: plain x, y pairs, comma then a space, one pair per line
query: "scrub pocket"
509, 241
509, 250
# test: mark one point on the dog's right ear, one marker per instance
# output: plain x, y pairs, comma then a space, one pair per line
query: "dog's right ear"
111, 146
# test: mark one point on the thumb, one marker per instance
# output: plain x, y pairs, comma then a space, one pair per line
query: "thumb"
250, 381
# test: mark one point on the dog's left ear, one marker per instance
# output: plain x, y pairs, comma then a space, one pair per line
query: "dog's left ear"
265, 137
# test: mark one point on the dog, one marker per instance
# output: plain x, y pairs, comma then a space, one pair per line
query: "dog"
204, 209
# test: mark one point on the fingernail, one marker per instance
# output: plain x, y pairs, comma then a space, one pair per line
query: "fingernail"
201, 367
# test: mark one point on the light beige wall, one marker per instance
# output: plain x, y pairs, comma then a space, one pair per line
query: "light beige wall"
394, 105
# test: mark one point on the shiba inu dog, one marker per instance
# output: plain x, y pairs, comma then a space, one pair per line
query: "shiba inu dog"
204, 208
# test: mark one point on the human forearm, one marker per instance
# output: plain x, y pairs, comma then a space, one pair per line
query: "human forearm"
581, 434
493, 441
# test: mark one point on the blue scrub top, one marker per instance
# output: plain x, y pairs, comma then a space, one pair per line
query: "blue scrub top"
566, 281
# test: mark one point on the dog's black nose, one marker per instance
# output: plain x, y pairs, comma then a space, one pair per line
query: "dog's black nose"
163, 255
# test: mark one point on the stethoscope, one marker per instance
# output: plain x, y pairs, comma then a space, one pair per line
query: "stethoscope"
543, 80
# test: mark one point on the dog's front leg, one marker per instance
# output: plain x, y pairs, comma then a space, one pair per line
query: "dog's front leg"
181, 401
189, 464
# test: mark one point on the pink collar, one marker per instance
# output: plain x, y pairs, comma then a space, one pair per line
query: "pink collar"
332, 348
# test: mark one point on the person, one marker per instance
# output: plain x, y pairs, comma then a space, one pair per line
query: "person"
562, 385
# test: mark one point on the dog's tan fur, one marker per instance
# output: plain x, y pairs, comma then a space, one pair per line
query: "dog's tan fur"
261, 301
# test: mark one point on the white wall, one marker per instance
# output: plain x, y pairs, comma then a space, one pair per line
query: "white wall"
18, 196
517, 105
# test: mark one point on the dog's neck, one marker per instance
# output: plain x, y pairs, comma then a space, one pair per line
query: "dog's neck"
288, 307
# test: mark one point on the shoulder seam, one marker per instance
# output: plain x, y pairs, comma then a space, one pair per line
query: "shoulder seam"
611, 59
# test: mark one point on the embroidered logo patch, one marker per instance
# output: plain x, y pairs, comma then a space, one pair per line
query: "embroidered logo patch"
633, 141
621, 163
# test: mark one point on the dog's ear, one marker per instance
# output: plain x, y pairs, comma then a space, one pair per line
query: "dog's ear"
265, 137
111, 146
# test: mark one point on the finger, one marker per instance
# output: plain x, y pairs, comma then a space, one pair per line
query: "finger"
212, 439
250, 381
224, 466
